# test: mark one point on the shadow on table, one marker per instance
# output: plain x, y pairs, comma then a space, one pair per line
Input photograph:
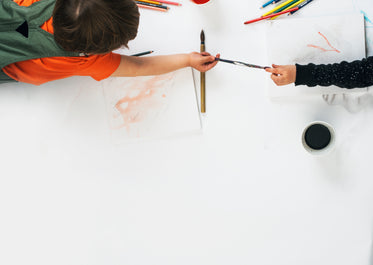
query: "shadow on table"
353, 103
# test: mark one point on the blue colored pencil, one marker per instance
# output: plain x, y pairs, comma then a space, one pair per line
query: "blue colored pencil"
270, 2
300, 6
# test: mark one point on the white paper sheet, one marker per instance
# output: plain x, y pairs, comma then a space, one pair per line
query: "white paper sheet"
320, 40
152, 107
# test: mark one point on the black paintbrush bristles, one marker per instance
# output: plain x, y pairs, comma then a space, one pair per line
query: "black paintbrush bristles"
202, 37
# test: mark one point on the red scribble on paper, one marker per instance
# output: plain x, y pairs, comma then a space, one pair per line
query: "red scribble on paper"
324, 50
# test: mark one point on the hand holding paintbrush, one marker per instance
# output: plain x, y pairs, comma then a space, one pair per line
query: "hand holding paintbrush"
202, 61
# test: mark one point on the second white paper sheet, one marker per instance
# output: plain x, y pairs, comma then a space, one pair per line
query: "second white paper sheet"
320, 40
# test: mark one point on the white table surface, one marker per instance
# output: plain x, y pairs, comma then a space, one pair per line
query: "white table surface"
243, 191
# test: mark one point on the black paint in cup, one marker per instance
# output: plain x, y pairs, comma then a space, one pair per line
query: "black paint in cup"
317, 137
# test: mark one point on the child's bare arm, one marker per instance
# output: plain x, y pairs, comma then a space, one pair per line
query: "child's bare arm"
155, 65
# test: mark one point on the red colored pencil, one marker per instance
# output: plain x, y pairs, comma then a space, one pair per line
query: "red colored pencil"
152, 7
272, 15
168, 2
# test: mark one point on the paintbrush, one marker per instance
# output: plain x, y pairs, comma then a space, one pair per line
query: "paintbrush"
241, 63
203, 79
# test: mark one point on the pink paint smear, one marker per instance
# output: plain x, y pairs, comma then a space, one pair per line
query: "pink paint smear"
324, 50
147, 102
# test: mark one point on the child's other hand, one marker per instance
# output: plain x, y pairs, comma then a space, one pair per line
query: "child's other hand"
282, 74
202, 61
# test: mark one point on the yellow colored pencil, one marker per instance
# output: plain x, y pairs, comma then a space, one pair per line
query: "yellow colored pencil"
151, 2
289, 7
277, 8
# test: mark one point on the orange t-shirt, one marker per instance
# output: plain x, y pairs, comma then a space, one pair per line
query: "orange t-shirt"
39, 71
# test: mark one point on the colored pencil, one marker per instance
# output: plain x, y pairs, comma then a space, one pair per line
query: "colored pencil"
285, 6
152, 7
142, 53
270, 2
277, 8
241, 63
300, 6
272, 15
289, 7
151, 4
169, 3
203, 77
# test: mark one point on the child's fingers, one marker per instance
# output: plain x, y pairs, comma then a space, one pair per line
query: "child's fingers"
211, 65
207, 59
207, 66
282, 74
274, 78
269, 70
275, 71
277, 79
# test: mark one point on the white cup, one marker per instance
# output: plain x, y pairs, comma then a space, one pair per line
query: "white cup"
318, 138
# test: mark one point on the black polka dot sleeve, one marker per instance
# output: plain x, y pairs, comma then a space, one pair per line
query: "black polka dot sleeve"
345, 74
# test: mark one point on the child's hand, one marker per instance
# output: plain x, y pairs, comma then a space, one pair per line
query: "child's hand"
282, 74
202, 61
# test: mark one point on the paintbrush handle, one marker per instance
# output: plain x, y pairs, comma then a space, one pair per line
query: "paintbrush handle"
203, 93
203, 86
254, 66
224, 60
241, 63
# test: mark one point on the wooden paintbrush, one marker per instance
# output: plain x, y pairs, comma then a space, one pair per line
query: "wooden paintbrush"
203, 79
241, 63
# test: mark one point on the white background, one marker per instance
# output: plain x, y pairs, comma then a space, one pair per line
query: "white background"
243, 191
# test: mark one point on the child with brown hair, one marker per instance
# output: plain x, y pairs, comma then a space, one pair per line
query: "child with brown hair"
47, 40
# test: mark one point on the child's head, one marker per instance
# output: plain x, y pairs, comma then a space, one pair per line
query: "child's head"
94, 26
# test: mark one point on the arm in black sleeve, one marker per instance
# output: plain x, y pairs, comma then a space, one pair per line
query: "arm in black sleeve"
347, 75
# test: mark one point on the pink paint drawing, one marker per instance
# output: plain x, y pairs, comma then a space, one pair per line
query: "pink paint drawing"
150, 107
323, 49
139, 102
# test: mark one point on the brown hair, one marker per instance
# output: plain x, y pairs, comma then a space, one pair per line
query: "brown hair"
94, 26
